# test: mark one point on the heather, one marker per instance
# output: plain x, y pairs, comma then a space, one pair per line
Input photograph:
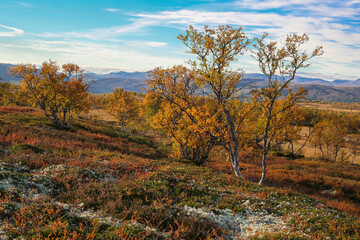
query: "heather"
97, 182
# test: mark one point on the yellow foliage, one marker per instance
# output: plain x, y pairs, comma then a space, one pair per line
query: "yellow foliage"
59, 92
123, 106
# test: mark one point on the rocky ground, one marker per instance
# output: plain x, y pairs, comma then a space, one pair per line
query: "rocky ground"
96, 182
32, 185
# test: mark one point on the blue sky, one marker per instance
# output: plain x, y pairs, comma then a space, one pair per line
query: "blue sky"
137, 35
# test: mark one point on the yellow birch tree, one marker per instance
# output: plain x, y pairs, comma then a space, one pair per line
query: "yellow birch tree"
279, 64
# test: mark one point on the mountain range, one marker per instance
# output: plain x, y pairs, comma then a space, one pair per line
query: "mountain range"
318, 89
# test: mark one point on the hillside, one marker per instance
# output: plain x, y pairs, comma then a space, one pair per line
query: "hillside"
318, 89
4, 76
96, 182
330, 93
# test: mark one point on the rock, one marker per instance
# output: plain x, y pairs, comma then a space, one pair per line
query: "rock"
330, 192
3, 235
240, 225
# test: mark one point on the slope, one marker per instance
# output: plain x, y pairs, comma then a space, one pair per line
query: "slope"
95, 182
330, 93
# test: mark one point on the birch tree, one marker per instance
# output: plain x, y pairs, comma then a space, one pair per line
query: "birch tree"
279, 64
59, 92
123, 106
215, 49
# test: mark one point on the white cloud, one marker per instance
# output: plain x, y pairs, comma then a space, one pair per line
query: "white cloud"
340, 40
272, 4
112, 10
104, 33
24, 4
330, 77
90, 55
331, 8
349, 3
330, 11
12, 33
155, 44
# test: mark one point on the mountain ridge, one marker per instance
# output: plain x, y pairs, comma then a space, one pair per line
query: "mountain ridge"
318, 89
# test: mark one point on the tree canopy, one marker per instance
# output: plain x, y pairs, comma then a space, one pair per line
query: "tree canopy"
58, 91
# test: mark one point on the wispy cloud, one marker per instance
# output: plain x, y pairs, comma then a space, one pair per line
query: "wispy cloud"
12, 32
90, 54
349, 3
112, 10
104, 33
270, 4
16, 4
330, 8
25, 4
154, 44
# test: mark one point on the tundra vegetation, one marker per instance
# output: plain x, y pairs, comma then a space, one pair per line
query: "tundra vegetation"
171, 175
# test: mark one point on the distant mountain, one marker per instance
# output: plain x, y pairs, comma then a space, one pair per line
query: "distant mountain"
330, 93
99, 83
318, 89
106, 83
304, 80
318, 81
5, 77
121, 74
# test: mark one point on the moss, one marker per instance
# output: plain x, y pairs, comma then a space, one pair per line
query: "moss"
26, 119
21, 148
279, 236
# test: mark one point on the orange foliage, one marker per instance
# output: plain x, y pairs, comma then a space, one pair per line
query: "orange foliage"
59, 93
123, 107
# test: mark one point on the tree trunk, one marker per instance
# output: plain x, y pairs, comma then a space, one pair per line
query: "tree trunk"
234, 155
336, 152
263, 174
235, 162
57, 120
123, 127
328, 153
266, 145
322, 152
278, 148
308, 137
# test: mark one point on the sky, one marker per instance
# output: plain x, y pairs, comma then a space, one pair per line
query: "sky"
138, 35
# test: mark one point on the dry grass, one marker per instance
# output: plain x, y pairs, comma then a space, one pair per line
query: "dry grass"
336, 184
336, 107
98, 114
309, 151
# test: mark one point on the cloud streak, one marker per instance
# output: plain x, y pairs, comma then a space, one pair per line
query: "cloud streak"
12, 33
112, 10
89, 55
